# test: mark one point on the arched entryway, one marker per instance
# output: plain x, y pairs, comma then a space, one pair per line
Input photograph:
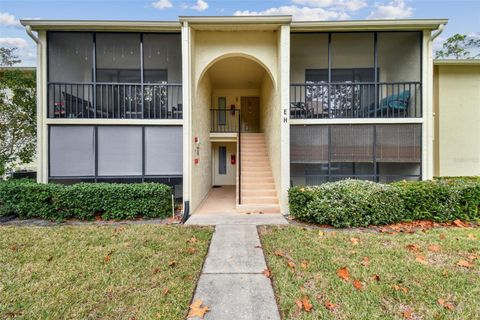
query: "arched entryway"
234, 99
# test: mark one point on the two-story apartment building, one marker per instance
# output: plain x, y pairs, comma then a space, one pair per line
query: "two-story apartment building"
254, 103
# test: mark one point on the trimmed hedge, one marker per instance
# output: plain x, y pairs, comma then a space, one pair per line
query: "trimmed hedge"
355, 203
27, 199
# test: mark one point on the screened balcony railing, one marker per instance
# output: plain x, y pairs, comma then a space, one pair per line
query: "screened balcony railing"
115, 100
356, 100
225, 120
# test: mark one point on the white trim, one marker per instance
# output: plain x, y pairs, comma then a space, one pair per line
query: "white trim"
102, 25
356, 121
378, 25
187, 110
42, 127
126, 122
428, 124
283, 117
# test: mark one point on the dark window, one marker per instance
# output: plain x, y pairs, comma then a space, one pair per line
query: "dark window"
222, 107
118, 57
385, 153
222, 160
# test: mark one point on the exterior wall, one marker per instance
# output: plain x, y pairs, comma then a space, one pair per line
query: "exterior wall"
269, 124
457, 98
201, 178
233, 96
212, 45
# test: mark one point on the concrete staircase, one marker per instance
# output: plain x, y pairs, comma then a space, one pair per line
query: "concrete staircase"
258, 192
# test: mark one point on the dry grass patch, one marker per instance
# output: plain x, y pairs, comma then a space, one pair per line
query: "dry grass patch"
354, 275
78, 272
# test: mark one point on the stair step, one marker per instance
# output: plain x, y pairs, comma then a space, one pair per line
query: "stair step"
257, 179
257, 186
258, 208
260, 192
259, 200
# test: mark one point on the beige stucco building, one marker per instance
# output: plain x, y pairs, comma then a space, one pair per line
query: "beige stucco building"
252, 105
457, 117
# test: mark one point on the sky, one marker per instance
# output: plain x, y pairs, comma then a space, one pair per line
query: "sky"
463, 15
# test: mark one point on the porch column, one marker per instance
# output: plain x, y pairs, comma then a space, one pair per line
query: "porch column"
284, 92
187, 110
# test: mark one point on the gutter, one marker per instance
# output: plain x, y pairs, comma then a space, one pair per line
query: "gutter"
32, 35
438, 32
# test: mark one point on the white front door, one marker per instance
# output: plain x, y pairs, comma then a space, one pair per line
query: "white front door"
224, 163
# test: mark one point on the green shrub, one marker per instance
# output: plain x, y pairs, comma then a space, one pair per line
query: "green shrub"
27, 199
351, 203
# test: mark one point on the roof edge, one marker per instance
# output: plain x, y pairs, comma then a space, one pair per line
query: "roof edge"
89, 25
456, 62
387, 24
274, 19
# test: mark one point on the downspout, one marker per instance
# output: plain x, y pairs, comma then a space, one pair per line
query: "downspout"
438, 32
40, 172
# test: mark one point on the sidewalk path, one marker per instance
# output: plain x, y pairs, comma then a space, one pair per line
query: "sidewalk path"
232, 283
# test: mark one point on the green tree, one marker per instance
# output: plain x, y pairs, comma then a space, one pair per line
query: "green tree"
8, 57
458, 47
17, 114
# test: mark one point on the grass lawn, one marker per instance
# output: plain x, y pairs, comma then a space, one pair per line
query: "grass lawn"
79, 272
390, 276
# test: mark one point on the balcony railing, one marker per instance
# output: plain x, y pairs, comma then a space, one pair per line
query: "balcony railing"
356, 100
115, 100
224, 120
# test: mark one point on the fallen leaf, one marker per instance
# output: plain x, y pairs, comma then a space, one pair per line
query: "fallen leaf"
366, 261
447, 305
304, 264
400, 288
192, 240
306, 304
291, 264
172, 263
354, 241
321, 233
472, 257
107, 258
279, 254
343, 273
420, 258
299, 304
434, 248
196, 310
376, 277
357, 284
330, 306
191, 250
166, 291
267, 273
458, 223
412, 247
407, 314
471, 236
464, 263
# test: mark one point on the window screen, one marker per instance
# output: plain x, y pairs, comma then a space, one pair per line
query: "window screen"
119, 151
163, 150
309, 144
72, 150
399, 143
352, 143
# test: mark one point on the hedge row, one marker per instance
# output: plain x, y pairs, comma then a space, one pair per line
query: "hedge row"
355, 203
27, 199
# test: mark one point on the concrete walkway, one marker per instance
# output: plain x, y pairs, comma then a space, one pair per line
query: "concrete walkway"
232, 283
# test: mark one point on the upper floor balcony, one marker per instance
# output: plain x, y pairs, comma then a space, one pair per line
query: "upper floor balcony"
356, 75
114, 75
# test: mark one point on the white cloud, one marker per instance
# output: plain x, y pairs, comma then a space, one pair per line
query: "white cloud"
200, 6
9, 20
162, 4
298, 13
348, 5
396, 9
14, 42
